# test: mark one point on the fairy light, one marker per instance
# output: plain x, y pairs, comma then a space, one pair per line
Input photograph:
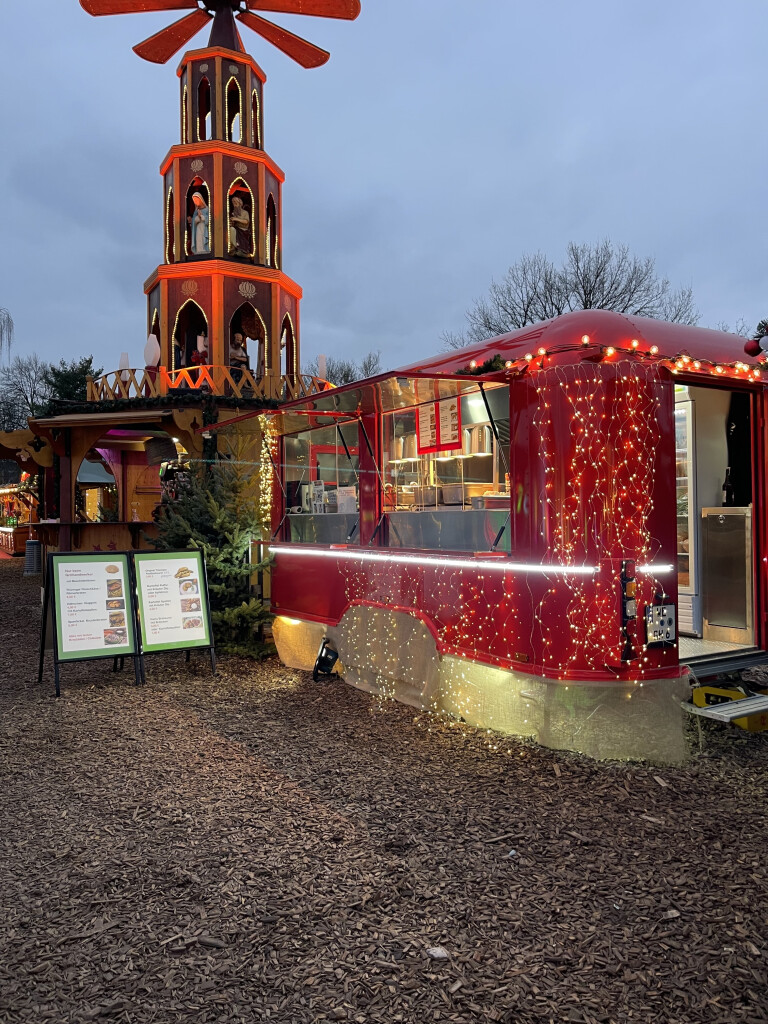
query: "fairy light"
603, 501
267, 456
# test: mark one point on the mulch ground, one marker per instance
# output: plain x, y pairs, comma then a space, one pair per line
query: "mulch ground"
260, 847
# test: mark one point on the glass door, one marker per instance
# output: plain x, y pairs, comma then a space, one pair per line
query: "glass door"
685, 495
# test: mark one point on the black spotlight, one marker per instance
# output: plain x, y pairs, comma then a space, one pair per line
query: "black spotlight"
327, 657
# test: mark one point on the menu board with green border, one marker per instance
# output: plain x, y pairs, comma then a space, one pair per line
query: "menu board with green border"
173, 600
93, 603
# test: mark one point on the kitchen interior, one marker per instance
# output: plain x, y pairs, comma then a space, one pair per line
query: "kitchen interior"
715, 559
443, 472
472, 474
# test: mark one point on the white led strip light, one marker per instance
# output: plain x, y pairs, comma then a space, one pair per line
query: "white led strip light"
444, 563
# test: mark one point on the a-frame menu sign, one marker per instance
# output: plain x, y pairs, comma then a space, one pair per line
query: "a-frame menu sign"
88, 608
124, 604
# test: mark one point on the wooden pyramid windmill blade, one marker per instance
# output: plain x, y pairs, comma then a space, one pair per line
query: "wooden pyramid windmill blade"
160, 47
298, 49
347, 10
101, 7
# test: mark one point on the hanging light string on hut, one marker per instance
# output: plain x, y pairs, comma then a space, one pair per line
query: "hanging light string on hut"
682, 361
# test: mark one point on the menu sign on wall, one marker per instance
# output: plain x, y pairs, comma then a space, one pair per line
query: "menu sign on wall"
93, 607
450, 416
173, 600
438, 423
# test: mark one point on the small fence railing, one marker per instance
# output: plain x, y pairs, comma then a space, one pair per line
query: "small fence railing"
220, 381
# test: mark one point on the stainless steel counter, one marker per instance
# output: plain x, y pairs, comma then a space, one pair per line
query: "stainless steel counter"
448, 529
439, 529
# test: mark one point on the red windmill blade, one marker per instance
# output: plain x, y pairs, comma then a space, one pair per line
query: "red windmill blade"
298, 49
160, 47
346, 9
101, 7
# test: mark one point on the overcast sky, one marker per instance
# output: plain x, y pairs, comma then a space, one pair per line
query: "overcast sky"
442, 141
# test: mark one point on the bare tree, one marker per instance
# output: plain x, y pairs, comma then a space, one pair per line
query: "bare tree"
593, 276
370, 364
741, 327
761, 330
12, 415
344, 371
6, 331
24, 383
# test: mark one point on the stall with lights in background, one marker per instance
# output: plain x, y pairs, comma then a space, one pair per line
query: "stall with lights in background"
18, 514
535, 535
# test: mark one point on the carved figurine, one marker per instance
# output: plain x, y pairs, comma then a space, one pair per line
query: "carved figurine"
238, 354
199, 242
239, 228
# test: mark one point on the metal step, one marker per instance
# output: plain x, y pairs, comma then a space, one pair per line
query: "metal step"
709, 665
731, 709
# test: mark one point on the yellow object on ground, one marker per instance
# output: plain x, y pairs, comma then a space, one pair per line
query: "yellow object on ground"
706, 696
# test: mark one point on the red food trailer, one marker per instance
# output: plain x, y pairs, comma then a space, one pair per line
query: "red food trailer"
536, 534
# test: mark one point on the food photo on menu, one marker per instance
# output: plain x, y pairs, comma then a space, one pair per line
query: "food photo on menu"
114, 588
188, 587
192, 622
117, 618
190, 604
116, 603
115, 636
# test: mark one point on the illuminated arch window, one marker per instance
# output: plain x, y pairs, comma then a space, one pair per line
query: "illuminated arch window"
288, 360
241, 239
234, 111
155, 328
170, 240
271, 234
203, 110
154, 331
255, 120
191, 323
247, 320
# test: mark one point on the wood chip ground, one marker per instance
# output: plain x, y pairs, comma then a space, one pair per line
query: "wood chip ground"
259, 847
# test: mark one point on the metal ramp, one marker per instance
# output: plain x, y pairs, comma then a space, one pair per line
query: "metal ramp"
730, 710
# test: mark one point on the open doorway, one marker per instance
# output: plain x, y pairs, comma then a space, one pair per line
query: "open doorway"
96, 494
714, 492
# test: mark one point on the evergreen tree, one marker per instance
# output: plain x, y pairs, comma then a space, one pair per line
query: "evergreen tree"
213, 510
67, 382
